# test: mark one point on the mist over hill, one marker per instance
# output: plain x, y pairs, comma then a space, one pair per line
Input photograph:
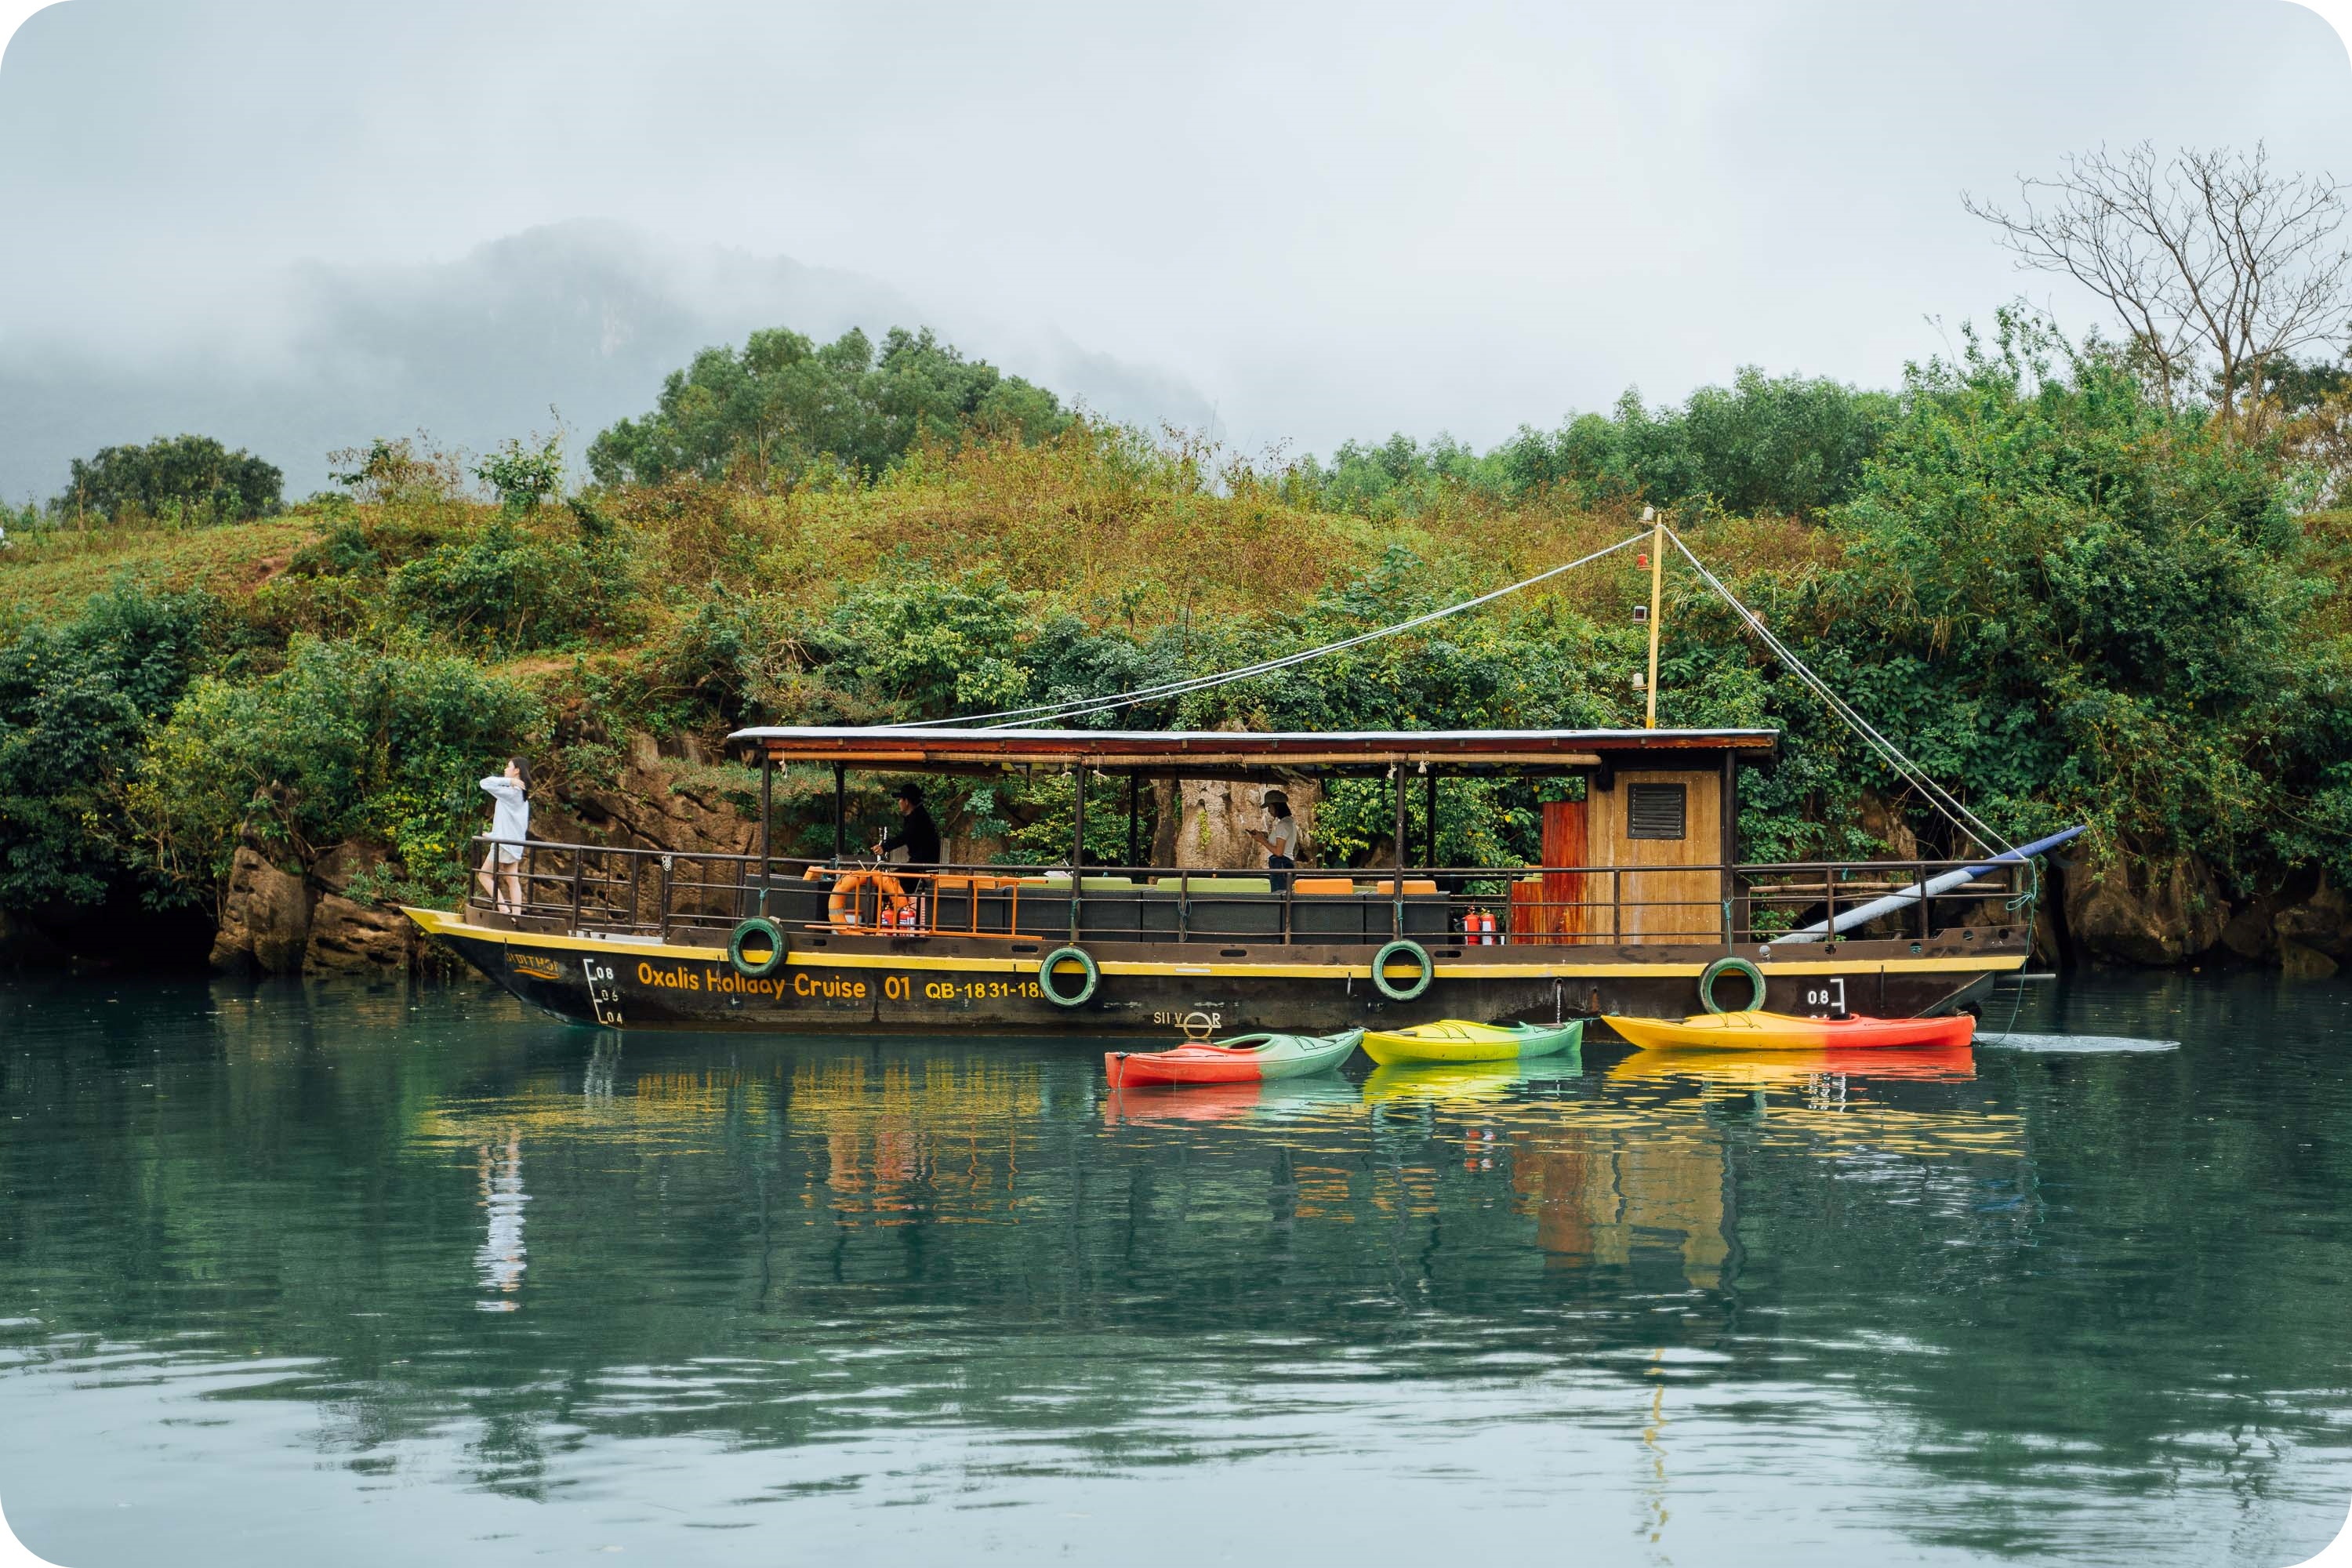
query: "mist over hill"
583, 318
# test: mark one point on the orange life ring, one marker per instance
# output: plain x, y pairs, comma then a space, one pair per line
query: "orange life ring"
840, 905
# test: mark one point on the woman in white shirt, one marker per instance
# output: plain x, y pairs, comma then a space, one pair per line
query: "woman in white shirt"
1280, 838
509, 828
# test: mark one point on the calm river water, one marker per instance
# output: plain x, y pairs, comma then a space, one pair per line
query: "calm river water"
389, 1274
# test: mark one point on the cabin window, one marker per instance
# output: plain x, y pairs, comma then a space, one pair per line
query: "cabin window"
1655, 810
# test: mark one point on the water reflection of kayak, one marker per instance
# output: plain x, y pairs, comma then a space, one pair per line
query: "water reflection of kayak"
1226, 1101
1787, 1032
1784, 1067
1466, 1080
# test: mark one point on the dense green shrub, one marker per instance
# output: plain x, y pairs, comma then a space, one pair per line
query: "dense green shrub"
346, 742
510, 588
2056, 593
1788, 445
191, 478
77, 702
784, 406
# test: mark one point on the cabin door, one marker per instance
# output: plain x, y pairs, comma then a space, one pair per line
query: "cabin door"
1561, 912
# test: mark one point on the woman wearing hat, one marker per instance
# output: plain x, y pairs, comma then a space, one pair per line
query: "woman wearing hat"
1280, 836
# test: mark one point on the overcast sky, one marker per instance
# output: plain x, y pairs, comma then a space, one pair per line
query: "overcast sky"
1306, 222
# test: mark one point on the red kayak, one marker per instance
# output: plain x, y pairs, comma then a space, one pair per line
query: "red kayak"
1785, 1031
1246, 1058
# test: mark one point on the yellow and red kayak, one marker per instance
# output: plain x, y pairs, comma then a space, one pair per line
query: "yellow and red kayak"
1785, 1031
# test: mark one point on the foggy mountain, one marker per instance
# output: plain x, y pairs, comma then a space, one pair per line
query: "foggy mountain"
584, 317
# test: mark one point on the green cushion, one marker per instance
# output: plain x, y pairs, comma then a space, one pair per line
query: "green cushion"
1216, 884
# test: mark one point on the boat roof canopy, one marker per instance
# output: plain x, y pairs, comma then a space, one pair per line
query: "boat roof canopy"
1211, 754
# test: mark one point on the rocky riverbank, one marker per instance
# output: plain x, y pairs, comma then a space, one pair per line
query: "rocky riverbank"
319, 919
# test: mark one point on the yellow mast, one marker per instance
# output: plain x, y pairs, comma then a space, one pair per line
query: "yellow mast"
1657, 569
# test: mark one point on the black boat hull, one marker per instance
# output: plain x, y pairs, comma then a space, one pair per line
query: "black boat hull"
838, 984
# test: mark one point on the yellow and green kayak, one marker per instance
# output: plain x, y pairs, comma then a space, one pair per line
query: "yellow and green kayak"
1458, 1041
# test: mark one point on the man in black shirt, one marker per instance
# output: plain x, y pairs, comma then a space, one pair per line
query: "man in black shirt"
918, 834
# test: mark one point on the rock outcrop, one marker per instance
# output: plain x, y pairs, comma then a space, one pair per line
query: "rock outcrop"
347, 936
2297, 962
23, 946
2304, 926
2321, 923
1886, 823
264, 918
326, 917
1214, 812
658, 804
2148, 912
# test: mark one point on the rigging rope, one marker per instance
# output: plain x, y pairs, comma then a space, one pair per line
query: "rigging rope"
1960, 817
1023, 718
1942, 800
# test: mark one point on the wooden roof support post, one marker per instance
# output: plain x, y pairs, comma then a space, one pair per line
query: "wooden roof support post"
1078, 846
1134, 817
767, 814
1429, 829
1732, 912
840, 814
1396, 889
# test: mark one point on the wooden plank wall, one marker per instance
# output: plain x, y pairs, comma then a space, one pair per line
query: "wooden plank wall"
1660, 903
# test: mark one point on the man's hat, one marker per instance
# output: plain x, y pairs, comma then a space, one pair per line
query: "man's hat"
1274, 796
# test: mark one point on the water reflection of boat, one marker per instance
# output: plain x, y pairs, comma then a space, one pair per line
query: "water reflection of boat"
1769, 1068
500, 1260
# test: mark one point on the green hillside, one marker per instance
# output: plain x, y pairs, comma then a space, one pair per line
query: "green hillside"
2069, 602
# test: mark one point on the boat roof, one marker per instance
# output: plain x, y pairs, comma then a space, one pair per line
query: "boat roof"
1208, 754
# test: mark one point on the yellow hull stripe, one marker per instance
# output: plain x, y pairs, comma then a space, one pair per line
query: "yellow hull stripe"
440, 924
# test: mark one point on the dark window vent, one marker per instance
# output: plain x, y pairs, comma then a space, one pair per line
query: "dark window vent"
1655, 810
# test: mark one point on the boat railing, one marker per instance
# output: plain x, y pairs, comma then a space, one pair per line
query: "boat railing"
626, 891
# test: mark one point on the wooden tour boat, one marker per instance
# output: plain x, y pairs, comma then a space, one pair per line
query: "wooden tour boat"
1641, 906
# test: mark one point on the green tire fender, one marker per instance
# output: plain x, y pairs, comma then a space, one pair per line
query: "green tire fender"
1723, 966
1054, 961
743, 948
1408, 948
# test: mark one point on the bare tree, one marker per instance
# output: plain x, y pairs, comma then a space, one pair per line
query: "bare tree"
2216, 262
